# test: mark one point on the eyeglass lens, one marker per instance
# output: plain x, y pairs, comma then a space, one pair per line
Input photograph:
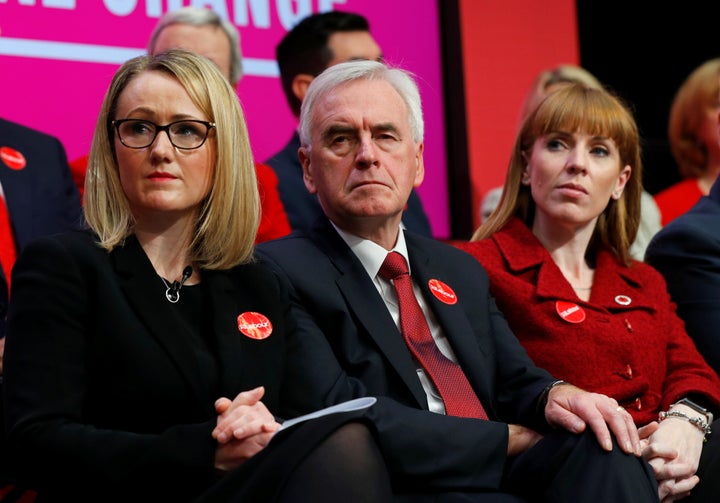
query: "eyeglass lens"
187, 134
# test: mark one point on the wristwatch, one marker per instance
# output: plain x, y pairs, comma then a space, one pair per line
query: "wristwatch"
697, 408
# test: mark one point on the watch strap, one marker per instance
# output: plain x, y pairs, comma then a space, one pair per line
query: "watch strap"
696, 407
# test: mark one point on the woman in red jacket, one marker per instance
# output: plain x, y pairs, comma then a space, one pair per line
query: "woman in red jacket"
557, 253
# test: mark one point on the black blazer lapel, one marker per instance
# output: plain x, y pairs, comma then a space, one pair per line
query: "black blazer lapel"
238, 370
135, 272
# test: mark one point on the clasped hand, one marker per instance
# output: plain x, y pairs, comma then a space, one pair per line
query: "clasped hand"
244, 428
673, 449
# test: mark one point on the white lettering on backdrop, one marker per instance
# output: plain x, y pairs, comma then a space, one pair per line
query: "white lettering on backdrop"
243, 13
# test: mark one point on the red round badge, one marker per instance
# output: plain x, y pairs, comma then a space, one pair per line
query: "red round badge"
442, 292
12, 158
254, 325
570, 312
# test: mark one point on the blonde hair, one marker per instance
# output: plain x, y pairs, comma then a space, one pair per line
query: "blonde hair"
577, 107
225, 231
697, 93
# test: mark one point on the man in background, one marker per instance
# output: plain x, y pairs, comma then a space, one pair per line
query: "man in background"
37, 197
687, 253
314, 44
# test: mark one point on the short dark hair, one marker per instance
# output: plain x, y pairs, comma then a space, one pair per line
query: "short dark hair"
304, 49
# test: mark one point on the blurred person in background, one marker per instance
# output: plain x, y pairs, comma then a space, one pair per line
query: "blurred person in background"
37, 198
692, 132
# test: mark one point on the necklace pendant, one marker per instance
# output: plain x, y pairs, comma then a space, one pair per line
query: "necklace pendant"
172, 295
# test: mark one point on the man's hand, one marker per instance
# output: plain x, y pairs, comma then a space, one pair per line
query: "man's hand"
520, 439
572, 408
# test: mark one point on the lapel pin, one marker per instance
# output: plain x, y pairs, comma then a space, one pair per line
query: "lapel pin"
12, 158
623, 300
254, 325
442, 292
570, 312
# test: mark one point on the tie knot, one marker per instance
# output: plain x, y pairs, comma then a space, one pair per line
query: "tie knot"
393, 267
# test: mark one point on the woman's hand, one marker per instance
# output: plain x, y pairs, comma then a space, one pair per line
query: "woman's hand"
673, 450
242, 417
234, 453
244, 427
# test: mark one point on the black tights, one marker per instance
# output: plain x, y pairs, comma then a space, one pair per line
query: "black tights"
346, 467
331, 459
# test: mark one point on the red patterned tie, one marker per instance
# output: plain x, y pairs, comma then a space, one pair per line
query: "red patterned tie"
8, 253
449, 379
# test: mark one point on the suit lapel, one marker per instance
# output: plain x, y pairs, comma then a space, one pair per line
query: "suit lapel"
137, 278
364, 302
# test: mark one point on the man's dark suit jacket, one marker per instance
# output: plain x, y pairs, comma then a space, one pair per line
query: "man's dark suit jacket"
303, 208
42, 197
687, 253
425, 449
3, 313
105, 386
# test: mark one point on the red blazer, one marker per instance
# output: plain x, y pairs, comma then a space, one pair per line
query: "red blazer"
274, 222
626, 342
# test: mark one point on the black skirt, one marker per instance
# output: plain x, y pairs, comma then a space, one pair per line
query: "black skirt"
262, 478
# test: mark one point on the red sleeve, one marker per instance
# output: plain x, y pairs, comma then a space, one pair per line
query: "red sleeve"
78, 167
273, 221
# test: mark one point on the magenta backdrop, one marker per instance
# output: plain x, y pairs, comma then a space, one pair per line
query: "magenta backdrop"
58, 56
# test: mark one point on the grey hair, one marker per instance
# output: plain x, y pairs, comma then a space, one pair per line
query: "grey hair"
401, 80
199, 16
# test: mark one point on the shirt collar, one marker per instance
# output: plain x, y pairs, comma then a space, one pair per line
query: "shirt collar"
371, 254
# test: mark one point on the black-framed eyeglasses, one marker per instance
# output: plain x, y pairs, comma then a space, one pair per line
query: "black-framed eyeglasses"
185, 134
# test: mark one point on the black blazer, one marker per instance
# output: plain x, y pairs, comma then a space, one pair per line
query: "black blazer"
303, 208
425, 450
687, 253
105, 394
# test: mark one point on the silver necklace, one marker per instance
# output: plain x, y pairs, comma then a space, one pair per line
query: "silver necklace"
172, 292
